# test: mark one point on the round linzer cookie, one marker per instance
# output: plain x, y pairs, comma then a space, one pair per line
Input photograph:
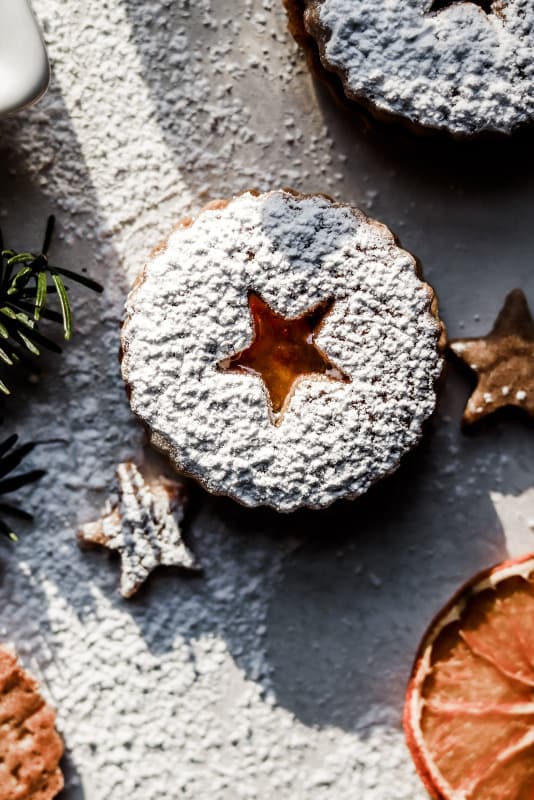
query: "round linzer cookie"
282, 349
30, 747
453, 65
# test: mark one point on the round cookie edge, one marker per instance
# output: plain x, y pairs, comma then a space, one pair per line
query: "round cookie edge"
162, 444
305, 27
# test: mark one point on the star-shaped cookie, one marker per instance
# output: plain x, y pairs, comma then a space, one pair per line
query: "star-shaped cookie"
283, 350
503, 361
143, 526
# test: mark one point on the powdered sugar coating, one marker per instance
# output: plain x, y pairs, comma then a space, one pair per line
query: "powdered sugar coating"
143, 527
459, 69
190, 311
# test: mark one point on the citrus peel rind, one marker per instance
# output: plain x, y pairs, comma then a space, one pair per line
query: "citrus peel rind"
469, 710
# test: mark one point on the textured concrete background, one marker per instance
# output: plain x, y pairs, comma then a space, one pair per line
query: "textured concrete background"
281, 671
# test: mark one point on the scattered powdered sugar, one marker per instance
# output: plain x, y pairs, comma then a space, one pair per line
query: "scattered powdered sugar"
190, 311
153, 108
459, 69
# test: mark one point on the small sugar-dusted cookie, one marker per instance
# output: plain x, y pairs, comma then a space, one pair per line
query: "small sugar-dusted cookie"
453, 65
143, 526
282, 349
503, 362
30, 747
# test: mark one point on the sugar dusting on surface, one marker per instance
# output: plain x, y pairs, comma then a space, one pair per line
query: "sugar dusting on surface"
152, 110
459, 69
190, 311
276, 674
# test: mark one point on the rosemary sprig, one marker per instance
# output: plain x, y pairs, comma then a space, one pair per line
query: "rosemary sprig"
10, 458
26, 282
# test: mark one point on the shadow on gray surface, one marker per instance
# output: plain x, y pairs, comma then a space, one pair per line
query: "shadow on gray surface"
379, 155
349, 612
360, 581
73, 398
485, 163
73, 788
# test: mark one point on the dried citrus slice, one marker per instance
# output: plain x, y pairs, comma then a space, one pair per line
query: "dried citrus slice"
469, 712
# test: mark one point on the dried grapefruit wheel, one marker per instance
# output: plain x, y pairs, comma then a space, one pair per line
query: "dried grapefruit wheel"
469, 712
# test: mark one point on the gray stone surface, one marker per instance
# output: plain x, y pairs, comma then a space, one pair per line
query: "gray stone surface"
280, 672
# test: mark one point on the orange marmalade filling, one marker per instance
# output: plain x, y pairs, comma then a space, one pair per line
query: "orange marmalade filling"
282, 351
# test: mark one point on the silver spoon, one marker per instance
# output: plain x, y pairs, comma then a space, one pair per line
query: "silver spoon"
24, 68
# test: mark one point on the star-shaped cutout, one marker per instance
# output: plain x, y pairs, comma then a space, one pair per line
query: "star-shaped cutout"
283, 351
503, 361
143, 526
439, 5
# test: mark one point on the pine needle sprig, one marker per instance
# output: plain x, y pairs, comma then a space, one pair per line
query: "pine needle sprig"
27, 283
10, 458
27, 280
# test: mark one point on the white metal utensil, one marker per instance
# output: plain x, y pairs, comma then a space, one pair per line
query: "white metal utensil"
24, 68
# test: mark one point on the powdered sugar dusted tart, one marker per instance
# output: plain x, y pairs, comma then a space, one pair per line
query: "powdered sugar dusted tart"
219, 316
454, 65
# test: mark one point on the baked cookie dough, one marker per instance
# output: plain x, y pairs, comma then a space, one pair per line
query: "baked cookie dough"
502, 361
143, 525
30, 747
347, 416
451, 65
